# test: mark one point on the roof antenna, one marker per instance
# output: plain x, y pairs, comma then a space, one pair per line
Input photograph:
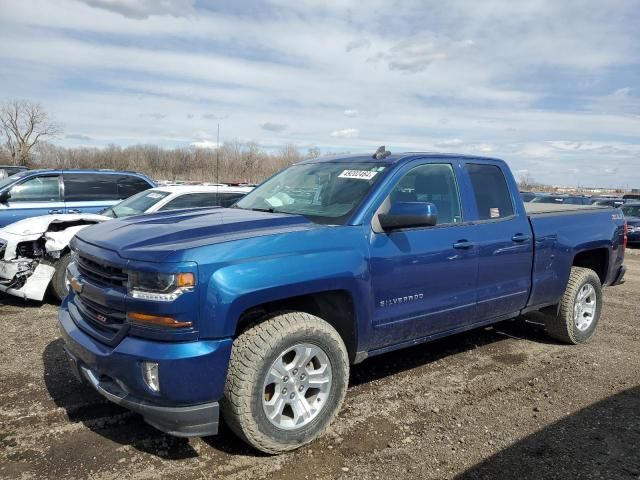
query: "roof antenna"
381, 153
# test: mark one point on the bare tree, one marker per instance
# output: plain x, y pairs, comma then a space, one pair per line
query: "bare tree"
526, 181
24, 124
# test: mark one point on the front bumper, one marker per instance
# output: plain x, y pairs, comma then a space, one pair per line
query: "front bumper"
192, 376
189, 421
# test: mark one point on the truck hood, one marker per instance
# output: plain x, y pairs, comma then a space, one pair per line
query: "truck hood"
154, 237
635, 221
40, 225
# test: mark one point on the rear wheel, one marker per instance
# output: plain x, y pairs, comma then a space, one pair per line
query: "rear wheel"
286, 381
579, 310
59, 285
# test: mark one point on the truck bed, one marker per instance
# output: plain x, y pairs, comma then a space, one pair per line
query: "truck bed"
546, 208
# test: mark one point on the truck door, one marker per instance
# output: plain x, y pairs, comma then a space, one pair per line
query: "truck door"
423, 279
503, 236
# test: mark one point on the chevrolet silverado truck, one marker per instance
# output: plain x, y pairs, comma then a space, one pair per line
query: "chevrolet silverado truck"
255, 313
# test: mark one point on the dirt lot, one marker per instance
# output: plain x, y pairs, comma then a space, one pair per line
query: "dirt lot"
501, 402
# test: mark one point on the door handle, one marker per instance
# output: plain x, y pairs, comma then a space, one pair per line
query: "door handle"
75, 210
463, 244
55, 211
520, 237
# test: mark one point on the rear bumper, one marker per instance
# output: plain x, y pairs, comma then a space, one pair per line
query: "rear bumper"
192, 376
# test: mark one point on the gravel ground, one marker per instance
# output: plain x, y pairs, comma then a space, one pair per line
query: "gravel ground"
499, 402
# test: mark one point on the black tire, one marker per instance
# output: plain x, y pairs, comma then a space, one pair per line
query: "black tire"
562, 326
252, 356
59, 281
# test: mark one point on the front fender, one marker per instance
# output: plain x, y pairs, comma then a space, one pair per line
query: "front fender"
236, 288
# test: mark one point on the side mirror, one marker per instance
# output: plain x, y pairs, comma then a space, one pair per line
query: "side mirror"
409, 215
5, 196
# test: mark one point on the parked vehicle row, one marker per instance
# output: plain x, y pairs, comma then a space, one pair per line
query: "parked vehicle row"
631, 212
565, 199
32, 193
259, 310
34, 252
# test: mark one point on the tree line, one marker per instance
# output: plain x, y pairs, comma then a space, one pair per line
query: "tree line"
26, 127
233, 161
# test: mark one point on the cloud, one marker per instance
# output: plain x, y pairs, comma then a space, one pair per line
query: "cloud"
345, 133
273, 127
77, 136
358, 44
412, 55
545, 85
155, 116
207, 144
140, 9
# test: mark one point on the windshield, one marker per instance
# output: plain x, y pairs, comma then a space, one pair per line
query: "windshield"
12, 179
322, 192
135, 205
631, 211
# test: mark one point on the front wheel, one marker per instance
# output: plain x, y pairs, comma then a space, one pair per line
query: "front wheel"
579, 310
286, 381
59, 285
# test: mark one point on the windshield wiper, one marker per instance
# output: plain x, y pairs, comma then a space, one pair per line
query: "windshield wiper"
268, 210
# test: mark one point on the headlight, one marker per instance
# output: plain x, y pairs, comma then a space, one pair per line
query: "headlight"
633, 228
164, 287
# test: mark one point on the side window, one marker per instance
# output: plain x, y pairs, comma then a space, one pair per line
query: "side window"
129, 185
491, 191
90, 187
39, 189
435, 183
192, 200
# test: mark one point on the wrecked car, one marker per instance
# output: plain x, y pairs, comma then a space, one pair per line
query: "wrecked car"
34, 252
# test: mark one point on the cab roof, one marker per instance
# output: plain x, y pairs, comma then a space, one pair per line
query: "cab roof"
393, 158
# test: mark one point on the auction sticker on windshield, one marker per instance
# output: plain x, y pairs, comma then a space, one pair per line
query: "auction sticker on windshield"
358, 174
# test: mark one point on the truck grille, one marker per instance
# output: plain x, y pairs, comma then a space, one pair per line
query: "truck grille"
99, 316
101, 273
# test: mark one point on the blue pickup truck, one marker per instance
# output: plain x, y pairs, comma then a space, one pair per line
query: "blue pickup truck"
257, 311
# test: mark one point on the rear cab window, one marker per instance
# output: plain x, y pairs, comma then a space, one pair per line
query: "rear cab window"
491, 192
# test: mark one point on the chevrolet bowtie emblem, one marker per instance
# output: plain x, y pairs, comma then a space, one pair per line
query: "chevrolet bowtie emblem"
76, 286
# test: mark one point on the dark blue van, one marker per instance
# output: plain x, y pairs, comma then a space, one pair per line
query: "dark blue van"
43, 192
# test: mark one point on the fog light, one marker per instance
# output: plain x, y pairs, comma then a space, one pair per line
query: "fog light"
151, 375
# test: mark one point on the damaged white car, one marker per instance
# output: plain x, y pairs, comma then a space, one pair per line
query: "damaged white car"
34, 252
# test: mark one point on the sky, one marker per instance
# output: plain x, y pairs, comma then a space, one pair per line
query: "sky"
552, 87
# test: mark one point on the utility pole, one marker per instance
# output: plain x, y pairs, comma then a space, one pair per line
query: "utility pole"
218, 166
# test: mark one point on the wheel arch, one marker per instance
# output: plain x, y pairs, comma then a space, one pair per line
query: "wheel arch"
596, 259
336, 307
